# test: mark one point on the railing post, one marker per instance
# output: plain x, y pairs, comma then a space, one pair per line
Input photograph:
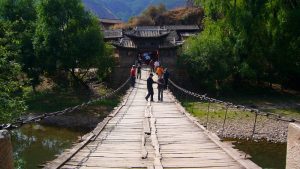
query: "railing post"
6, 154
193, 104
254, 125
225, 118
293, 147
207, 114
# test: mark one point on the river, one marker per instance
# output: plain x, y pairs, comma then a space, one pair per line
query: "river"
265, 154
35, 144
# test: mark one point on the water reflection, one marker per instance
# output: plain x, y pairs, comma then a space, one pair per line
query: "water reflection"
265, 154
35, 144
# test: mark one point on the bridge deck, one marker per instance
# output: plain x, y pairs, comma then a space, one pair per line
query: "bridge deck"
152, 135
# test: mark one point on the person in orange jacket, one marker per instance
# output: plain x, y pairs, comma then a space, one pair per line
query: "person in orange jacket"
159, 71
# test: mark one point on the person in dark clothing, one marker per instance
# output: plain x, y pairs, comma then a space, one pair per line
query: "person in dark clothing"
139, 72
166, 77
160, 87
150, 87
151, 63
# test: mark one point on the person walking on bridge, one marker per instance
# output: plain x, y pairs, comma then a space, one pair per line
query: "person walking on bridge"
150, 87
132, 75
139, 71
160, 87
159, 71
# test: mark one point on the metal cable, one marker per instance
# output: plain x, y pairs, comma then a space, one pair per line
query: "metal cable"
237, 106
20, 122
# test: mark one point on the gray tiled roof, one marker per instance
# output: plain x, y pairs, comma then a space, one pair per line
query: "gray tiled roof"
125, 42
182, 27
147, 27
147, 33
173, 36
113, 33
170, 35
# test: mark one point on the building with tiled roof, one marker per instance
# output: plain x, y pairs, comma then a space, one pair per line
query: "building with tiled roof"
160, 40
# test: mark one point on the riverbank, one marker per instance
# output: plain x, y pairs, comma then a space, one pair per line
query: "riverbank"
243, 124
36, 143
238, 124
59, 98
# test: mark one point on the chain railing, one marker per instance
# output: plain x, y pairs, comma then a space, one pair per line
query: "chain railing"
21, 121
229, 106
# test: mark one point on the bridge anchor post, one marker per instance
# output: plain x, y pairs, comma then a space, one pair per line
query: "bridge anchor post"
293, 147
6, 153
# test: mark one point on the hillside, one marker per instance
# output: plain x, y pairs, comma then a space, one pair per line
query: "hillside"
159, 16
125, 9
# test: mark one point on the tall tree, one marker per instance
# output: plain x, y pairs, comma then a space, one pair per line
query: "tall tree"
263, 36
11, 83
22, 15
67, 37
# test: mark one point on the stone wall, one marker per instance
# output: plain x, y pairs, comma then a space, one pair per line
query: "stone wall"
127, 57
293, 147
6, 157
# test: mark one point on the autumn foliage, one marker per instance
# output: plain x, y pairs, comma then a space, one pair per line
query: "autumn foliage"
158, 16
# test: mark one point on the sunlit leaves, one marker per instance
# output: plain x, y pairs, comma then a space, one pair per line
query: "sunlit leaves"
263, 36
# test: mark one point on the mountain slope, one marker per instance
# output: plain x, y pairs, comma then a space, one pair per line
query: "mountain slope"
125, 9
99, 9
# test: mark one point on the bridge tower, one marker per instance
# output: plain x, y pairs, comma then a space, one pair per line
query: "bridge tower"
154, 42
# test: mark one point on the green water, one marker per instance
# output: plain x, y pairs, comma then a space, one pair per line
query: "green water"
36, 144
265, 154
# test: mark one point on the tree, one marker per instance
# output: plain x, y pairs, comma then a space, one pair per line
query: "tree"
67, 38
208, 56
263, 39
22, 15
154, 11
11, 83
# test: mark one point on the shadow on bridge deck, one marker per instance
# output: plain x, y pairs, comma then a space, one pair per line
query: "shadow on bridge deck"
141, 134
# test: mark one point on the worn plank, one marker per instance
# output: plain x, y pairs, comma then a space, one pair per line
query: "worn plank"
152, 135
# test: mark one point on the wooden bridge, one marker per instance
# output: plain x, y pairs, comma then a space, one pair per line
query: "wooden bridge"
141, 134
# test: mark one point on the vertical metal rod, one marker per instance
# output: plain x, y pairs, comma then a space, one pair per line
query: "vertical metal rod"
207, 114
186, 98
223, 128
254, 125
193, 104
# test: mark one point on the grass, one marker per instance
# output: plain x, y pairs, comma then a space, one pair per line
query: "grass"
51, 100
54, 100
285, 103
216, 111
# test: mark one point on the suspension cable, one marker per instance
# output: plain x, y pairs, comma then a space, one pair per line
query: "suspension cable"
20, 122
203, 97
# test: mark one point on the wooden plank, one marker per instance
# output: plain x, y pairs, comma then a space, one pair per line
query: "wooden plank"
144, 151
229, 150
146, 126
151, 135
62, 159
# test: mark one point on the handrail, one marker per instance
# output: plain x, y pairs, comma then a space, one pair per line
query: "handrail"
203, 97
20, 122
